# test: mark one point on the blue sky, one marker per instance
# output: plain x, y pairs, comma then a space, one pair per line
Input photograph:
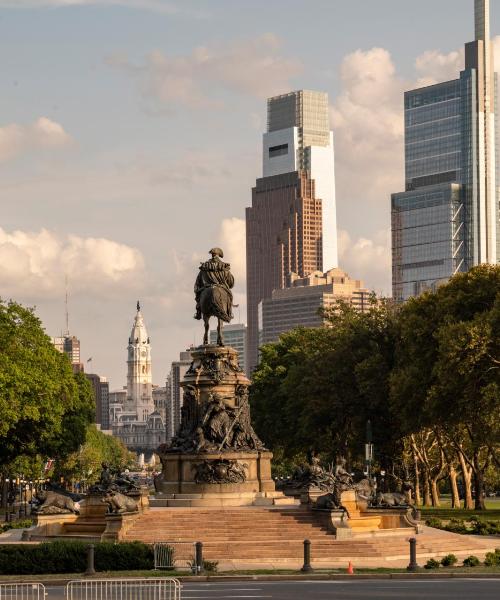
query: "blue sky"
130, 134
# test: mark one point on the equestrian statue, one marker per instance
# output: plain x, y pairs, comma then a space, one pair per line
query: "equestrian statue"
213, 294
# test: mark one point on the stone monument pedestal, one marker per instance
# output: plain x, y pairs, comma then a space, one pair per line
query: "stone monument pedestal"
216, 458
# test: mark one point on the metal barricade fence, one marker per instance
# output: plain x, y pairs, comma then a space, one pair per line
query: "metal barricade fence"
164, 588
178, 555
22, 591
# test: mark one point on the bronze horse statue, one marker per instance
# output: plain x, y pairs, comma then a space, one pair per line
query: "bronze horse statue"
213, 293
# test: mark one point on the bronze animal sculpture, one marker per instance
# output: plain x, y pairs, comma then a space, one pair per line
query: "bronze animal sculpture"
53, 503
119, 503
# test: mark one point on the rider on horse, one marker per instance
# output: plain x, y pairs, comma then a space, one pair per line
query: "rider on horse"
213, 289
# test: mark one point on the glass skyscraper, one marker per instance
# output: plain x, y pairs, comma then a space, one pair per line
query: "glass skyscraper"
447, 220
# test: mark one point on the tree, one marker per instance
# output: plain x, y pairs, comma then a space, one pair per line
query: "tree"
447, 371
44, 408
85, 463
315, 389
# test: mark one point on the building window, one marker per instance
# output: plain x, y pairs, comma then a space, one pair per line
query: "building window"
280, 150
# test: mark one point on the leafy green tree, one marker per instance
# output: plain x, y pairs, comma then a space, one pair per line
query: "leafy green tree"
315, 389
85, 463
44, 408
447, 372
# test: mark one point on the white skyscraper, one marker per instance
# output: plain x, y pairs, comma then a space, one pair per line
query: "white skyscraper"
298, 137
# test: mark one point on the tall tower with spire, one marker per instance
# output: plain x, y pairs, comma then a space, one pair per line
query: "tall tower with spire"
139, 380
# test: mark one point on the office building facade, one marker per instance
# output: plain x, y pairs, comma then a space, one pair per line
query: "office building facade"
100, 391
70, 345
299, 304
175, 393
447, 220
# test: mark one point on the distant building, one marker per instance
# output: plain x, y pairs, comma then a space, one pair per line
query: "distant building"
175, 398
70, 345
134, 418
291, 225
234, 336
100, 389
160, 401
299, 304
447, 219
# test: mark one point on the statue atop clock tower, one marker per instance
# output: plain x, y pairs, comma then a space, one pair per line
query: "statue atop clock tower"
139, 381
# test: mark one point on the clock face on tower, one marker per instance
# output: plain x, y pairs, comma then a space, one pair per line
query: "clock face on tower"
143, 353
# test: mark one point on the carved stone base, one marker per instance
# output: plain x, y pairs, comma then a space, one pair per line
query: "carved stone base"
182, 480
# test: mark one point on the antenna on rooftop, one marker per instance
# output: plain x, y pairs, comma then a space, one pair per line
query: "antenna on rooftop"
66, 305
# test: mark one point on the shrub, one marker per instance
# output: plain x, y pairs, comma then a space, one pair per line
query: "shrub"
19, 524
456, 526
432, 564
492, 558
71, 557
449, 560
472, 561
210, 566
434, 522
485, 527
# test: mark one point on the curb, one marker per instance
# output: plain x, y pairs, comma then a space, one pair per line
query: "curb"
309, 577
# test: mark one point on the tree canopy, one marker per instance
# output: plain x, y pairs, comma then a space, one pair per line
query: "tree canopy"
426, 374
44, 407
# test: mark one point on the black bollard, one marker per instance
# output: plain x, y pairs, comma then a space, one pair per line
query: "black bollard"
199, 557
413, 566
306, 568
90, 561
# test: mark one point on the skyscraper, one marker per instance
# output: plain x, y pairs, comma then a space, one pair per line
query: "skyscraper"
447, 220
291, 225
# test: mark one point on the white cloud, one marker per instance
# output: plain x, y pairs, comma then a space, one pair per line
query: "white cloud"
34, 264
43, 133
367, 120
233, 241
433, 67
367, 259
368, 125
252, 67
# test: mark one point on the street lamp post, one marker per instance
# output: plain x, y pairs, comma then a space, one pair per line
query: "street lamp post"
369, 449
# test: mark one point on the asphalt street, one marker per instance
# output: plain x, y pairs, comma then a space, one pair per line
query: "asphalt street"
443, 589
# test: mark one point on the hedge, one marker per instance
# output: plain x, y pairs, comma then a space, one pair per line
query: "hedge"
71, 557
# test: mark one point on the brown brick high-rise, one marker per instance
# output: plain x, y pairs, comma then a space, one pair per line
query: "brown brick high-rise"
284, 235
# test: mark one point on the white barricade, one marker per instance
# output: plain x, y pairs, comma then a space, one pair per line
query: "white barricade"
22, 591
164, 588
170, 555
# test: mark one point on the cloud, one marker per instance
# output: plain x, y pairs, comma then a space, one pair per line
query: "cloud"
251, 67
368, 124
367, 119
233, 241
433, 67
43, 133
367, 259
34, 264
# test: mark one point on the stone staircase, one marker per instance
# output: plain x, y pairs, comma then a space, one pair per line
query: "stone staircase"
253, 537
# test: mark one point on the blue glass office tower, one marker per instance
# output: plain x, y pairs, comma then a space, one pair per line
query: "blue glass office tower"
447, 220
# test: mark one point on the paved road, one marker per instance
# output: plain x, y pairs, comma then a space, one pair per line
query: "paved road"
444, 589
